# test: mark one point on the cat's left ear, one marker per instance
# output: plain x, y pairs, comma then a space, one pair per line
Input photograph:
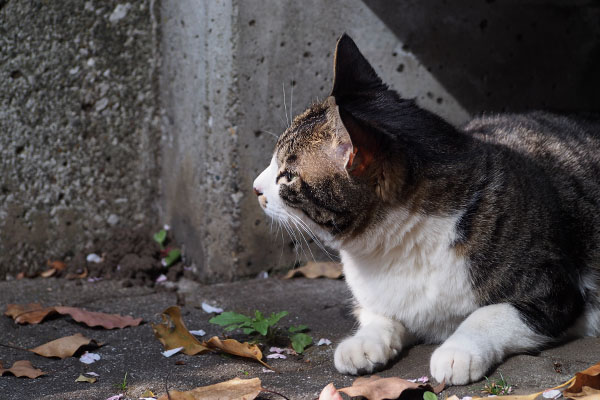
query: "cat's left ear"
353, 146
353, 75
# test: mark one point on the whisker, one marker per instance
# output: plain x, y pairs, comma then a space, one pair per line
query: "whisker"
285, 105
270, 133
292, 102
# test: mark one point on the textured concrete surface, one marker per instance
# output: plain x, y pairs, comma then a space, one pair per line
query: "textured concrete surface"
225, 69
78, 125
320, 304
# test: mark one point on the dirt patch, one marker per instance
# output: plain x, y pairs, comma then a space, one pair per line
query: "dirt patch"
132, 256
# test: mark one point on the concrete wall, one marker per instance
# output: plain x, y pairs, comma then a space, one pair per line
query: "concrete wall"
226, 65
78, 125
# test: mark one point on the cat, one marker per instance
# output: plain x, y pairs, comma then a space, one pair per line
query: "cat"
483, 238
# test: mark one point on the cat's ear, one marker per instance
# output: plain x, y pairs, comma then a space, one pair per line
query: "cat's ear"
352, 73
353, 146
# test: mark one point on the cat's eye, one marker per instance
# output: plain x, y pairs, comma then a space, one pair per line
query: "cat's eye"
288, 175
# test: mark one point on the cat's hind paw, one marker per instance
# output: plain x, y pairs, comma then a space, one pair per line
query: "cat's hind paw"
358, 355
458, 364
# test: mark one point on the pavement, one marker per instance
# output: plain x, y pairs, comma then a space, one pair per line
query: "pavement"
321, 304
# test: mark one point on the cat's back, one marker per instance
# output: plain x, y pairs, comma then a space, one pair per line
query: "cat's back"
562, 144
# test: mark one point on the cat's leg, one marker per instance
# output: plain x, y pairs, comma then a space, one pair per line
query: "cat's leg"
378, 340
485, 338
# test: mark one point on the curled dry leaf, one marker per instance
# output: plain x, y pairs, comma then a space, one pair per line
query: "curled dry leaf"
314, 270
48, 273
329, 392
63, 347
172, 333
57, 265
589, 377
377, 388
234, 389
82, 275
22, 368
35, 313
232, 346
83, 378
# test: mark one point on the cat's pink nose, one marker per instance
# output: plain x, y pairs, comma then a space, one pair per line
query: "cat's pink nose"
257, 192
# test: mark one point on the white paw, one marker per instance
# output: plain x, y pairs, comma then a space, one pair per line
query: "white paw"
458, 363
362, 354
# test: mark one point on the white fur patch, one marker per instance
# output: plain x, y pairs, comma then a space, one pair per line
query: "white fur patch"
406, 270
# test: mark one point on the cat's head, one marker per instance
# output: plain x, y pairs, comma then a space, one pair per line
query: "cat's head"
341, 161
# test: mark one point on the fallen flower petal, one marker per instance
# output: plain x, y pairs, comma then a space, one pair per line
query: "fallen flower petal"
423, 379
161, 278
92, 373
552, 394
210, 309
266, 370
95, 258
276, 355
89, 358
198, 332
274, 349
324, 341
117, 397
169, 353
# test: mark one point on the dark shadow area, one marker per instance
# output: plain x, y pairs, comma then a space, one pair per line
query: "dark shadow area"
495, 55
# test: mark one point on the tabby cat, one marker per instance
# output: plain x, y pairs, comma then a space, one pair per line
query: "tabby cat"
483, 237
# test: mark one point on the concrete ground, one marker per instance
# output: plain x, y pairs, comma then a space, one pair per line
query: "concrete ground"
320, 304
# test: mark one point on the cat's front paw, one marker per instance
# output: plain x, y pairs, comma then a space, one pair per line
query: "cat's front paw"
458, 363
360, 355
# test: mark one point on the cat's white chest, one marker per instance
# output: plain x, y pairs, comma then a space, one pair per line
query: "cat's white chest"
409, 272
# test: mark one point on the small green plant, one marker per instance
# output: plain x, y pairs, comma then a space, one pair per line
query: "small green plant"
263, 326
497, 387
122, 385
160, 237
172, 257
429, 396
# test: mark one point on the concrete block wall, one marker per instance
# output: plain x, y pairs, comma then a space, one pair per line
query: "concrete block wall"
78, 125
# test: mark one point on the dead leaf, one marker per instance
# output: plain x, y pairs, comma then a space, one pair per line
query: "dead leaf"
234, 389
312, 270
587, 393
35, 313
83, 378
589, 377
377, 388
329, 392
82, 275
48, 273
20, 275
232, 346
22, 368
63, 347
57, 265
172, 333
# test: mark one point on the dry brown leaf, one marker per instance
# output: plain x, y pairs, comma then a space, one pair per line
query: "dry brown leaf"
172, 333
32, 313
20, 275
329, 392
35, 313
63, 347
232, 346
377, 388
22, 368
82, 275
48, 273
57, 265
589, 377
234, 389
587, 393
88, 379
312, 270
